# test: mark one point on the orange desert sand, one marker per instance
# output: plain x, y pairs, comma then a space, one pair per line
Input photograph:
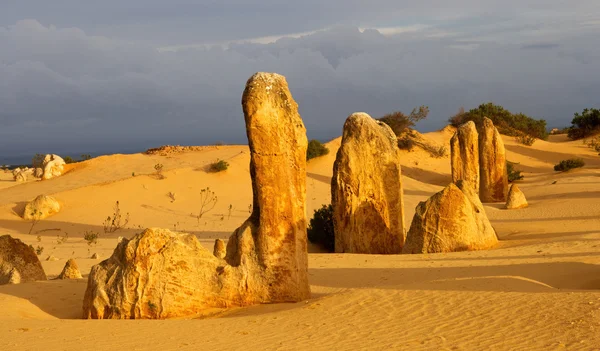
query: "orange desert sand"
538, 290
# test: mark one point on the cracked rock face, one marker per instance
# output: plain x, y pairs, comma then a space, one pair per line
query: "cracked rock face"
464, 155
493, 185
366, 189
163, 274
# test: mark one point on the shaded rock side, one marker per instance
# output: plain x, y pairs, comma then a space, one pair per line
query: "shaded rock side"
516, 198
464, 155
18, 262
493, 186
162, 274
451, 220
366, 189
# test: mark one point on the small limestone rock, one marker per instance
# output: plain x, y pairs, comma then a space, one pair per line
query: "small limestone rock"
451, 220
70, 271
18, 262
51, 258
493, 186
95, 256
42, 207
53, 166
516, 198
219, 250
464, 155
366, 189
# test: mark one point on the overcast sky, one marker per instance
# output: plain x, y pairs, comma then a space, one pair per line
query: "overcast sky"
124, 75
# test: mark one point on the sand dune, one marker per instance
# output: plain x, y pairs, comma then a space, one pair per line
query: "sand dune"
538, 290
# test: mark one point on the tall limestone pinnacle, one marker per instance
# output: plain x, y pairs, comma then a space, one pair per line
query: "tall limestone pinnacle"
163, 274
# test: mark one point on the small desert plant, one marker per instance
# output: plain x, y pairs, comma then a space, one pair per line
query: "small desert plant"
406, 143
208, 201
218, 166
398, 121
320, 228
91, 237
86, 157
571, 163
525, 139
39, 250
315, 149
35, 218
68, 159
171, 195
459, 118
115, 222
158, 171
62, 239
593, 143
37, 161
513, 174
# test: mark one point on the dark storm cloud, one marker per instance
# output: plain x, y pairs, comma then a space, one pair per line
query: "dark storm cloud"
133, 74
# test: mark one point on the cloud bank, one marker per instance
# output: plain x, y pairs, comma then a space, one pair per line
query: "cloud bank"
63, 88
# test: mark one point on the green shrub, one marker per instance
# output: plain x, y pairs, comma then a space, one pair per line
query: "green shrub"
37, 161
86, 157
68, 159
571, 163
320, 228
584, 124
315, 149
513, 174
398, 121
218, 166
506, 122
525, 139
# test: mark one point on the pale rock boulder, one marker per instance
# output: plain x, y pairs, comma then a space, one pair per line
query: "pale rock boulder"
219, 249
22, 174
493, 186
163, 274
53, 166
464, 155
366, 189
41, 207
516, 198
451, 220
18, 262
70, 271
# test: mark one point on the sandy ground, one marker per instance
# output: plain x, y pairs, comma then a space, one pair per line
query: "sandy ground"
538, 290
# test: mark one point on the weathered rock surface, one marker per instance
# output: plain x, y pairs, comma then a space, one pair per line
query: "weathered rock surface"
493, 186
516, 198
162, 274
41, 207
22, 174
18, 262
53, 166
464, 155
219, 249
366, 189
70, 271
451, 220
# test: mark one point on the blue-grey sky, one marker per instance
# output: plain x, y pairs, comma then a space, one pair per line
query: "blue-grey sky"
124, 75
